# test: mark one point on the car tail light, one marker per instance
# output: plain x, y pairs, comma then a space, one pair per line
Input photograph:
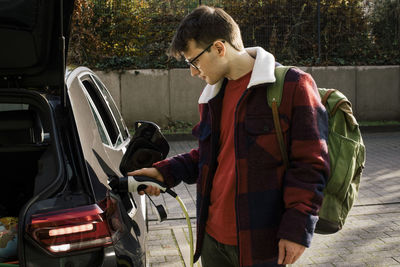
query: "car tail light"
70, 229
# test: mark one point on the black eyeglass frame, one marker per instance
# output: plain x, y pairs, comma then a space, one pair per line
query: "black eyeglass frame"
191, 62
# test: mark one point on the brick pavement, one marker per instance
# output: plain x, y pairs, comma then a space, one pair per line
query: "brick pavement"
370, 237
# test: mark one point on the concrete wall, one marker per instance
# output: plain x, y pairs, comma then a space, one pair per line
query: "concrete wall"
374, 91
160, 95
155, 95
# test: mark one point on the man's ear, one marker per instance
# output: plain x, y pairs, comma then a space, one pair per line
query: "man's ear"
221, 48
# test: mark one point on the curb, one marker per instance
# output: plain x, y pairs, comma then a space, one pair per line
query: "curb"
380, 129
179, 137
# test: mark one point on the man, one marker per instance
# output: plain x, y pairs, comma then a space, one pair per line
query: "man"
250, 211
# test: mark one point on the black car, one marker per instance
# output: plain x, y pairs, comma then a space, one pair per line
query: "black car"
61, 139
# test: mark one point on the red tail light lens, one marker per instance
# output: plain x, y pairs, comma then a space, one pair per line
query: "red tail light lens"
70, 229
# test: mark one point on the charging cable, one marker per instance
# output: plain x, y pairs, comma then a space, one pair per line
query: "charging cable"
183, 207
139, 183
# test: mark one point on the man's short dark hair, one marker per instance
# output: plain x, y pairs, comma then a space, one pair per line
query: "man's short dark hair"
205, 25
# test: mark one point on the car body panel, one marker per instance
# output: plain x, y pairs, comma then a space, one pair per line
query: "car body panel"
88, 134
103, 159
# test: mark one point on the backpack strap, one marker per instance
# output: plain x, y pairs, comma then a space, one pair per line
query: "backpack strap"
274, 92
326, 96
279, 135
338, 100
274, 97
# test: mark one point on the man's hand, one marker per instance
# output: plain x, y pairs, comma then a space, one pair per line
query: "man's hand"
149, 172
289, 252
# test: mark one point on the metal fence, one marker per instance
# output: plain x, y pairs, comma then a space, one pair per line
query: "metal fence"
302, 32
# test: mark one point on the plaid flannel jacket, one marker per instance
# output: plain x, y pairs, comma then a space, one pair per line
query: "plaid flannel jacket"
271, 203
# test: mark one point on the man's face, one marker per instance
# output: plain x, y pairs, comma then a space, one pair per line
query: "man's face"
204, 62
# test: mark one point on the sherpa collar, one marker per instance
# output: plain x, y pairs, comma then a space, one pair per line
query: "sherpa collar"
263, 72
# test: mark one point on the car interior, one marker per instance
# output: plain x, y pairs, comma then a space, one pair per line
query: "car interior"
23, 151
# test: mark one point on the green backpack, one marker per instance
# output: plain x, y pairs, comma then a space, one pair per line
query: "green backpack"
346, 152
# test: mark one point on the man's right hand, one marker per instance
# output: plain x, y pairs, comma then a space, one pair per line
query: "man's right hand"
149, 172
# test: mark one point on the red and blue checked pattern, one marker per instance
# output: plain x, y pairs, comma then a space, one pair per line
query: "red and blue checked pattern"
270, 203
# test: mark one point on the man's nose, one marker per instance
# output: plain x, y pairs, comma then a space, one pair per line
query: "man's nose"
194, 72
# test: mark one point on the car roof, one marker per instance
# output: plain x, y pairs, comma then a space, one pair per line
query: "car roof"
34, 42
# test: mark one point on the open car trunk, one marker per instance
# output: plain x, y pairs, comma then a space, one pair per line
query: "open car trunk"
28, 159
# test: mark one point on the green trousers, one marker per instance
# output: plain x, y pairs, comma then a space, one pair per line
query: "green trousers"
215, 254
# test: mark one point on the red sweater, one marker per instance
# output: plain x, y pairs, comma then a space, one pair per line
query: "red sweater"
221, 223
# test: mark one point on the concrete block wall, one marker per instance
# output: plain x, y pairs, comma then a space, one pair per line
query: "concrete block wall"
160, 95
155, 95
145, 95
374, 91
377, 96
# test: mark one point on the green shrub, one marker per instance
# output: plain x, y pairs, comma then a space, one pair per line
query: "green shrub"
178, 126
385, 30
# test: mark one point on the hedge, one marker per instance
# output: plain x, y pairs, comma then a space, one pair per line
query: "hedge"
135, 34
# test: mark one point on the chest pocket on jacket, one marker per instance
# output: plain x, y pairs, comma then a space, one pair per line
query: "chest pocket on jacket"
261, 135
258, 125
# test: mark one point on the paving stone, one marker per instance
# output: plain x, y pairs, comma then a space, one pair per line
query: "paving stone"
164, 252
305, 260
332, 252
358, 257
383, 254
395, 233
397, 258
326, 259
395, 239
382, 262
347, 264
157, 259
373, 235
167, 264
175, 259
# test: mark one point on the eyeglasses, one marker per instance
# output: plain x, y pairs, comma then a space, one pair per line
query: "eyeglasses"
191, 62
